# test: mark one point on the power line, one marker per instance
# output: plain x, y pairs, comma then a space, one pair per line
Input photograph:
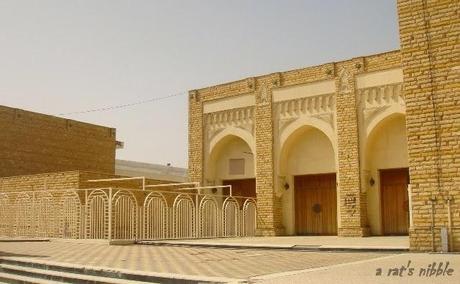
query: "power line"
109, 108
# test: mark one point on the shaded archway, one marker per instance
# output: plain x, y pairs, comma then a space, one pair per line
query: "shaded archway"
386, 167
307, 167
231, 161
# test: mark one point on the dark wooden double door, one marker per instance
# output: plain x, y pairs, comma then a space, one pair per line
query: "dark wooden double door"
315, 204
241, 187
394, 201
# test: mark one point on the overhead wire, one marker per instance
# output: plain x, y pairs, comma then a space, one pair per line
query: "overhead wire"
115, 107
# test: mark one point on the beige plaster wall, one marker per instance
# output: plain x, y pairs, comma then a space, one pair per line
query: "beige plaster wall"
386, 149
229, 103
379, 78
304, 90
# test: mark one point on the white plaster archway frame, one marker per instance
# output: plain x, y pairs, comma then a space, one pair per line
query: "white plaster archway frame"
313, 122
390, 111
283, 146
246, 136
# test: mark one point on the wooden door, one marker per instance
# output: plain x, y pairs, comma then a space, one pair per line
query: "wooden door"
394, 201
316, 204
241, 187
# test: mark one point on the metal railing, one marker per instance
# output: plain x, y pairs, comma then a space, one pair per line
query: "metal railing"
152, 213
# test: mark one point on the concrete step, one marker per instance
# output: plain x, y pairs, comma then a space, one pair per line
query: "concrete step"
42, 270
19, 279
61, 277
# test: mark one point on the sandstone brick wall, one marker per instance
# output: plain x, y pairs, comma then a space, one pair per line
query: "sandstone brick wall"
32, 143
50, 181
429, 34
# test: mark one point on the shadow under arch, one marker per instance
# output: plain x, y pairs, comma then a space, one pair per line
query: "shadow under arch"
245, 135
290, 135
218, 146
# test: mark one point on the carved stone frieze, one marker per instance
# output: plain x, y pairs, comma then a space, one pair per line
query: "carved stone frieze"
344, 81
375, 100
321, 107
216, 122
264, 94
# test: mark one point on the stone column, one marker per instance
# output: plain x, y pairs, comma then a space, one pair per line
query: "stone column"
268, 204
195, 138
429, 32
352, 200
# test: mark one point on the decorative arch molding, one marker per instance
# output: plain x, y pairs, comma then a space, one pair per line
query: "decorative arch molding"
245, 135
216, 122
313, 122
382, 114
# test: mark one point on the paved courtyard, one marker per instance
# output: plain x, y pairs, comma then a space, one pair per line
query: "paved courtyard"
252, 265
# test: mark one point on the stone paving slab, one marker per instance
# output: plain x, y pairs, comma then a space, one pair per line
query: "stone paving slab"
218, 262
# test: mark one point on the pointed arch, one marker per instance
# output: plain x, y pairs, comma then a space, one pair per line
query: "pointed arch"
245, 135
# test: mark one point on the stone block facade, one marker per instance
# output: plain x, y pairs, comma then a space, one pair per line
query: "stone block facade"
217, 110
32, 143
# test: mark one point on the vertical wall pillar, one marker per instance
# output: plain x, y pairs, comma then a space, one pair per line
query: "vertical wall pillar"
429, 32
352, 200
268, 204
195, 138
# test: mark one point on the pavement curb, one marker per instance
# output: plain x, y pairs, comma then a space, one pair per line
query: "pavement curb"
23, 240
279, 247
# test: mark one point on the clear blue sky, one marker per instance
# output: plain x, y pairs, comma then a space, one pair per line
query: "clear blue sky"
64, 56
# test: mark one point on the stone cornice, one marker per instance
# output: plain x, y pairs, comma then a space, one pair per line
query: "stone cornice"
325, 71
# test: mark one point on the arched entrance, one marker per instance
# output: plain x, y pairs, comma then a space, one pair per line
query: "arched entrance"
307, 163
387, 176
231, 162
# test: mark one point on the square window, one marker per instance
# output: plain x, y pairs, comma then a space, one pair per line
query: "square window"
236, 167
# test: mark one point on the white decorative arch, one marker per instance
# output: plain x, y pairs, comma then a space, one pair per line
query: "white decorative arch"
124, 212
156, 217
233, 131
375, 120
314, 122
